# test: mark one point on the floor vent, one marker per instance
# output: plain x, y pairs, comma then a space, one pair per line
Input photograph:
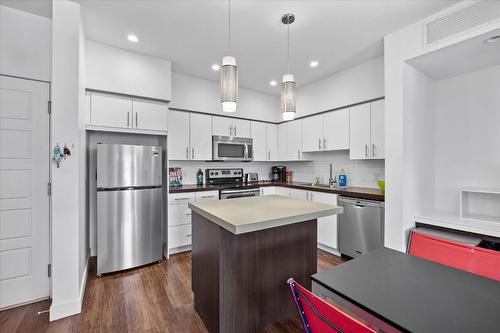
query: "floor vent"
462, 20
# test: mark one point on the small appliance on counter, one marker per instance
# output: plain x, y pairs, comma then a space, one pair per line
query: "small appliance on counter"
278, 174
251, 177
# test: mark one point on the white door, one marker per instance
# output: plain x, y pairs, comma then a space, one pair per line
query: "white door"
201, 136
327, 226
294, 136
272, 142
312, 130
178, 135
283, 142
259, 131
24, 201
222, 126
359, 132
110, 110
241, 128
149, 115
336, 130
378, 129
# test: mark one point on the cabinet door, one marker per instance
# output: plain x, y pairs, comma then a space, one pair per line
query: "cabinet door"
272, 142
222, 126
299, 194
283, 191
111, 110
327, 226
312, 131
378, 129
283, 142
267, 190
359, 131
336, 130
178, 135
149, 115
258, 130
294, 138
200, 136
241, 128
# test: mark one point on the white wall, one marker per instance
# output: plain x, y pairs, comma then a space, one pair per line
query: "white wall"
467, 135
193, 94
116, 70
65, 180
353, 85
25, 44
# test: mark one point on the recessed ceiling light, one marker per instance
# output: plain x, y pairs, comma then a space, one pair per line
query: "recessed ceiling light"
492, 39
215, 67
273, 83
133, 38
314, 63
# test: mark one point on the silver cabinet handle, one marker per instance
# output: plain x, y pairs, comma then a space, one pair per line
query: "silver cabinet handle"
192, 153
136, 120
298, 154
366, 150
187, 153
324, 143
230, 130
312, 196
307, 196
269, 155
189, 235
373, 150
319, 143
128, 119
234, 130
181, 199
208, 196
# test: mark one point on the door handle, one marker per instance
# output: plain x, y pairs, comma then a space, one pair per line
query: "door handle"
128, 119
187, 153
192, 153
324, 143
319, 143
307, 196
298, 154
312, 196
269, 155
358, 251
373, 150
230, 130
234, 130
366, 150
359, 206
136, 120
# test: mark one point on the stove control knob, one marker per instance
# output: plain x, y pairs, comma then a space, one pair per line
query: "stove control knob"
216, 173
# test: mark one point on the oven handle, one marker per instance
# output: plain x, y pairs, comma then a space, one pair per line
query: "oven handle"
240, 191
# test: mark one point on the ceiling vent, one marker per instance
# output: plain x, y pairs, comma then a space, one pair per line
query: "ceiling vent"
461, 20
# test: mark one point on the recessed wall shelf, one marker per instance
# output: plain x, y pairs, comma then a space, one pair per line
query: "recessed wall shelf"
480, 204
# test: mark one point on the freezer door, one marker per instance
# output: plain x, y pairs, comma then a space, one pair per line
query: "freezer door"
129, 228
128, 165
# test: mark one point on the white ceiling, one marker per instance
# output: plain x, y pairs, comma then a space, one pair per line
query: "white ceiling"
193, 33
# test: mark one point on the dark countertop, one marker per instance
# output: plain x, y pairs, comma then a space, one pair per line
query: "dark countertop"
416, 295
354, 192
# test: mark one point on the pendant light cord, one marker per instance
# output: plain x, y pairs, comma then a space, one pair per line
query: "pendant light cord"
288, 41
229, 23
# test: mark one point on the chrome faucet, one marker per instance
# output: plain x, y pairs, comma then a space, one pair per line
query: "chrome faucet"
332, 181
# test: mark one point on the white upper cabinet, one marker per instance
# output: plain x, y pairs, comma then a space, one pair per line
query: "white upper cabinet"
336, 130
110, 110
282, 142
227, 126
378, 129
259, 136
367, 136
312, 128
294, 140
272, 142
360, 131
178, 135
200, 136
149, 115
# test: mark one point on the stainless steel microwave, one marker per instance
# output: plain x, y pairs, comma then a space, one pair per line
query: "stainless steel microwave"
230, 148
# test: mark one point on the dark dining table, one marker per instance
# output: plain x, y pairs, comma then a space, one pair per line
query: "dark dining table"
398, 292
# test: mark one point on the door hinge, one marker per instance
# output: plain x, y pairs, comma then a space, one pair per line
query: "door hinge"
49, 109
49, 188
49, 270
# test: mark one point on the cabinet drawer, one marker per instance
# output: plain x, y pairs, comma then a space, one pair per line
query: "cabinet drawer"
179, 236
207, 195
177, 198
179, 214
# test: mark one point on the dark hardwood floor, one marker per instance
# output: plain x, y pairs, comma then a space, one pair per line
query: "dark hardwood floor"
154, 298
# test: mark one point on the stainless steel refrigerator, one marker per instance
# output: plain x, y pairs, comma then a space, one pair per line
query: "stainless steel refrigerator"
129, 206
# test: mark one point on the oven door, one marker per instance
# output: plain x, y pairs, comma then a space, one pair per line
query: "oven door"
240, 193
232, 149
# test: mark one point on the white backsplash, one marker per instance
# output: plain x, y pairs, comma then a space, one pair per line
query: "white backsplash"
363, 173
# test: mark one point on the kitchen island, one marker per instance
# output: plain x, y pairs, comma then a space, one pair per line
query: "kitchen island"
244, 250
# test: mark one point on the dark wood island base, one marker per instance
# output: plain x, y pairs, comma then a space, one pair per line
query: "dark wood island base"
239, 280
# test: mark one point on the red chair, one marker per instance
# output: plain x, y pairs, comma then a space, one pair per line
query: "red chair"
320, 317
465, 257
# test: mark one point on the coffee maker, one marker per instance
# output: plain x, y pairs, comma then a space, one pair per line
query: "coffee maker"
278, 174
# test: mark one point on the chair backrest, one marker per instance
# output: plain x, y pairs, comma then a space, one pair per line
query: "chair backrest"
319, 316
465, 257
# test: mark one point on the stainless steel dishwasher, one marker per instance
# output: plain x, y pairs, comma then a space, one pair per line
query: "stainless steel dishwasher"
361, 226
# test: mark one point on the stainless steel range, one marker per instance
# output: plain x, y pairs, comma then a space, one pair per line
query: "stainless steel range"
230, 183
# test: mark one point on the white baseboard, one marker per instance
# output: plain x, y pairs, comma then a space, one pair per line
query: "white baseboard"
329, 249
93, 251
179, 249
84, 282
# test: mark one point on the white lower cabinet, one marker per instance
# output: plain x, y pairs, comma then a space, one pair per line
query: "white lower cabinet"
179, 218
327, 226
283, 191
268, 190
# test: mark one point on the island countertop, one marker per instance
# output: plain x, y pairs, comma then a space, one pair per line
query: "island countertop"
250, 214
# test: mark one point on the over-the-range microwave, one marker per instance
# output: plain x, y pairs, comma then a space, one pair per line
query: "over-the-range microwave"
230, 148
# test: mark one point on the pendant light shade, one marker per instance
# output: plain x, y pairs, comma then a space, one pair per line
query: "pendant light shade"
288, 84
229, 84
288, 97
